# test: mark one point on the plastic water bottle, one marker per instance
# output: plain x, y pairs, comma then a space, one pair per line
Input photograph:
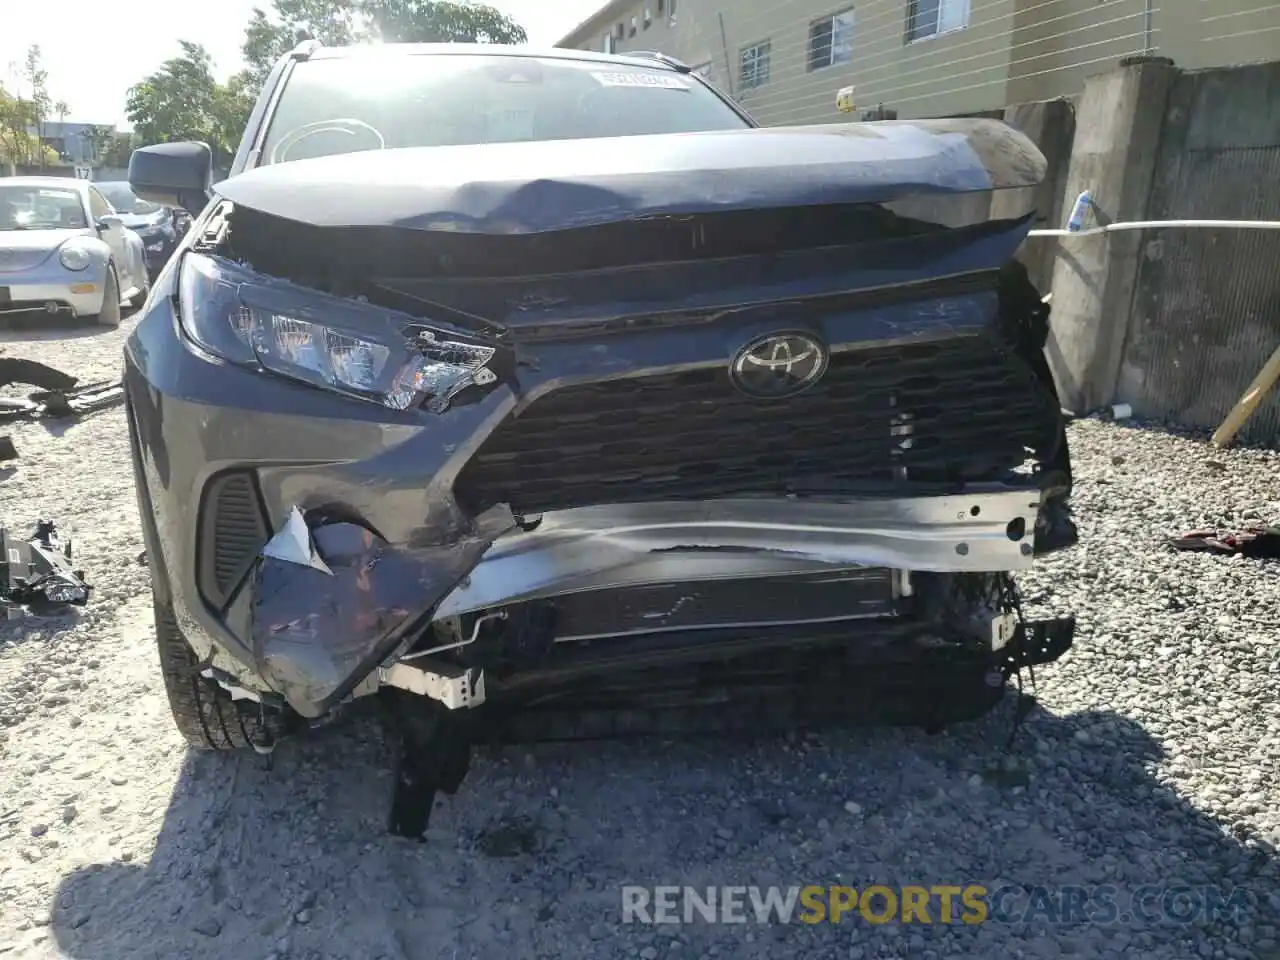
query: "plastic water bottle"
1076, 220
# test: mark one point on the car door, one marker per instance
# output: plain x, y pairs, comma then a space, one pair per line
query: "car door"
113, 236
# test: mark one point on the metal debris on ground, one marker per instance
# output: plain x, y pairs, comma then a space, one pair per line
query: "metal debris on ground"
59, 395
36, 574
1258, 541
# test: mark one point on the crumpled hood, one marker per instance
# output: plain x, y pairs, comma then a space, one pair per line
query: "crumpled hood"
534, 187
23, 249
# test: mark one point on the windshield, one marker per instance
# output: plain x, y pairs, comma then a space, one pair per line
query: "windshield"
368, 102
27, 207
122, 198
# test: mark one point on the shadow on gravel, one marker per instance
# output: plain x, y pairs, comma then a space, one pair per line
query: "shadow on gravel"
529, 859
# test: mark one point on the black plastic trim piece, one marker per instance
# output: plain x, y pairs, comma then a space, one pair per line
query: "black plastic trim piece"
231, 533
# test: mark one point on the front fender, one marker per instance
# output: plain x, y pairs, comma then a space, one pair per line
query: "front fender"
100, 253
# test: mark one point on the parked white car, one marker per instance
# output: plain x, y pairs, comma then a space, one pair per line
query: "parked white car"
65, 251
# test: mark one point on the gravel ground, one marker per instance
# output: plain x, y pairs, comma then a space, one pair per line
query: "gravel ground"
1153, 758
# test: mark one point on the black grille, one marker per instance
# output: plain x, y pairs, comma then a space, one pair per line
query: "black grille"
752, 601
233, 531
973, 408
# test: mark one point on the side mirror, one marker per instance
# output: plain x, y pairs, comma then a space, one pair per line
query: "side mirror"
109, 223
173, 174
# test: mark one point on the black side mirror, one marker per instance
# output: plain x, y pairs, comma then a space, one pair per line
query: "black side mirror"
173, 174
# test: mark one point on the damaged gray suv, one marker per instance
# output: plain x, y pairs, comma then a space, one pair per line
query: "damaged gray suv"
494, 382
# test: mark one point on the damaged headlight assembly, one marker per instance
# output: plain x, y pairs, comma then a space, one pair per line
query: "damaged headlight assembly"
353, 348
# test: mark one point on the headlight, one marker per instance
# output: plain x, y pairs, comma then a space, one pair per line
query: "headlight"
354, 348
74, 257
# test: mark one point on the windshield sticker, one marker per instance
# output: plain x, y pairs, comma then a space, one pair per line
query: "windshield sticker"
659, 81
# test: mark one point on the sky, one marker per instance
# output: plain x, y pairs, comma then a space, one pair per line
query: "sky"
95, 50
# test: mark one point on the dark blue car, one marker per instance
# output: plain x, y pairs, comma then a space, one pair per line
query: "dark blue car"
159, 227
493, 382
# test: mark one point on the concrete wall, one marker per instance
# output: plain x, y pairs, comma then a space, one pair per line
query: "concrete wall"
1051, 125
1206, 312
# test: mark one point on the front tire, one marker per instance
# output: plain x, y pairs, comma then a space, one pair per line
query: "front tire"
203, 712
110, 313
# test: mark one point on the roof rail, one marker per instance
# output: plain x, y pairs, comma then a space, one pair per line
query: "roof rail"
677, 65
305, 49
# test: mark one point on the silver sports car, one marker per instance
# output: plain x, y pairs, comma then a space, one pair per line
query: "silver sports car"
64, 251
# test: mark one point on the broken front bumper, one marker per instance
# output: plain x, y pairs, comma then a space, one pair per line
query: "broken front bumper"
333, 610
226, 455
618, 547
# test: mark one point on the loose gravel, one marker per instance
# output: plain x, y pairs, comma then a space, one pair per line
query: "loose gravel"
1153, 757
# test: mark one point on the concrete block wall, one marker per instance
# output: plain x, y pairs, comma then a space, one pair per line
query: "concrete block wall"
1206, 309
1174, 322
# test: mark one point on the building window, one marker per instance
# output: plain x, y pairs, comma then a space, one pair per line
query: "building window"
619, 31
661, 5
754, 69
608, 43
671, 11
831, 40
634, 26
648, 17
928, 18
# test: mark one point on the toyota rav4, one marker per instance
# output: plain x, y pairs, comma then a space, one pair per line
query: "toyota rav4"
493, 379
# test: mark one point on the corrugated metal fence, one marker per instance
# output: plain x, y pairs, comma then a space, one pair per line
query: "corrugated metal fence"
1206, 311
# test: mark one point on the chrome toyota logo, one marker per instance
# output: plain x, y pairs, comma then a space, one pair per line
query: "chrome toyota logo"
778, 366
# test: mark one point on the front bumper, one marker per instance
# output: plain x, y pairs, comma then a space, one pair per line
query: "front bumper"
226, 456
51, 288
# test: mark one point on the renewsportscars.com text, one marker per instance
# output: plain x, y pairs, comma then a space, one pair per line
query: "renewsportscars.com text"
939, 903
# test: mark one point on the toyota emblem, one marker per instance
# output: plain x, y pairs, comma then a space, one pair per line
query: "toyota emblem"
778, 366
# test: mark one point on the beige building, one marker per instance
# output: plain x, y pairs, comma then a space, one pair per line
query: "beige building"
786, 61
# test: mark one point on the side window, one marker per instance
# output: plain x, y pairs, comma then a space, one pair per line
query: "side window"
98, 206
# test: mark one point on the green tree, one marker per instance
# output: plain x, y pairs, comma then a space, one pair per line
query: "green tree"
119, 151
180, 101
270, 35
99, 139
334, 22
17, 145
38, 78
439, 21
232, 104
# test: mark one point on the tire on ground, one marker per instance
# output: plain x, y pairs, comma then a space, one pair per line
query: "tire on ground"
110, 315
204, 713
